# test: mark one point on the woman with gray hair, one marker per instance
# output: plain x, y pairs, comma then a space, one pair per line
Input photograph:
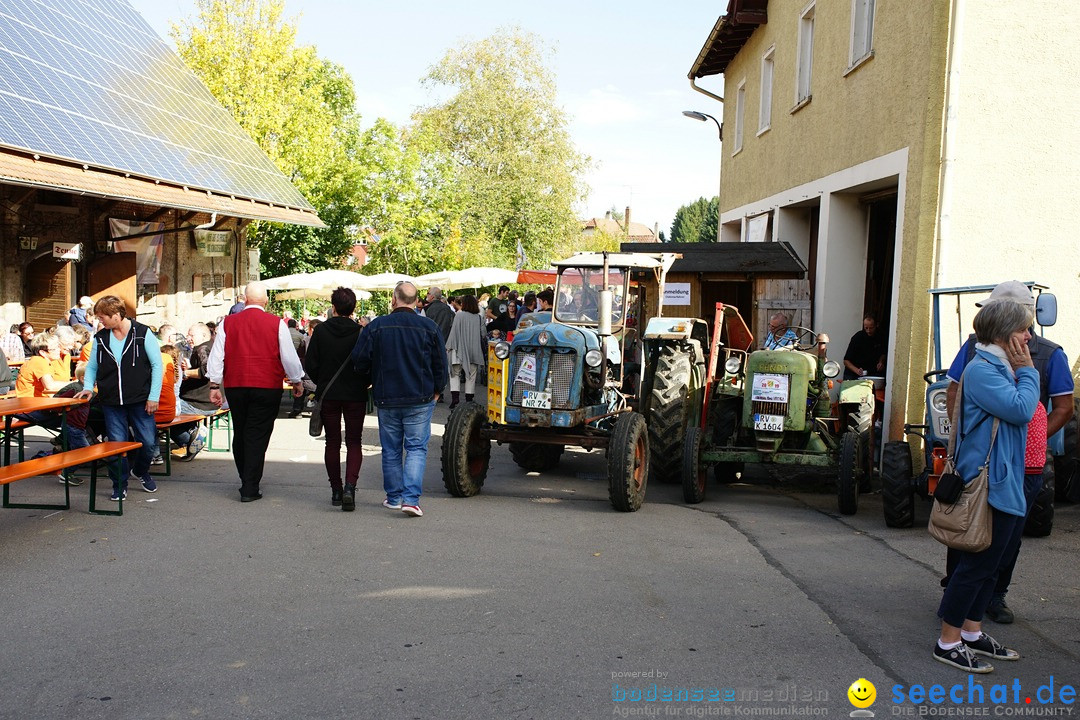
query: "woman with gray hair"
1000, 387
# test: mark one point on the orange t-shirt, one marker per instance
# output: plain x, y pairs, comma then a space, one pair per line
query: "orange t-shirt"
166, 409
61, 369
29, 383
84, 354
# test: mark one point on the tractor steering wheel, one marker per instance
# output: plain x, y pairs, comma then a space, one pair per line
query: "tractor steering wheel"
805, 338
933, 375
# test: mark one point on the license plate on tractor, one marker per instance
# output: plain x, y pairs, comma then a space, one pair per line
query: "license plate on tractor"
536, 399
769, 423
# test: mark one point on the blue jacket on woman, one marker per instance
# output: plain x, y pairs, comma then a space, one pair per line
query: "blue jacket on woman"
989, 391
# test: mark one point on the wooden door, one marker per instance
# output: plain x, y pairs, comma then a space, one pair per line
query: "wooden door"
113, 274
48, 291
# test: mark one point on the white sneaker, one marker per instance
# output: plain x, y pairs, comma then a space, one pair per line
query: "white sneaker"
413, 510
391, 505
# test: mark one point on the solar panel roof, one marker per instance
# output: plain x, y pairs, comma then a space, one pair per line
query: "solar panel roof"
89, 81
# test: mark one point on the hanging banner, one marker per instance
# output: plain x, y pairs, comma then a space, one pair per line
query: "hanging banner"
147, 248
213, 243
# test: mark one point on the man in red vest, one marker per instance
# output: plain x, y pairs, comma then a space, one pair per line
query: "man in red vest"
252, 353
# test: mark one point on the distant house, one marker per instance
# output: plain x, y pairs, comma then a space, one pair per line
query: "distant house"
624, 231
899, 146
120, 173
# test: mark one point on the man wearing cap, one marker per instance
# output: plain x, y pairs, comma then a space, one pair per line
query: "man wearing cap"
1056, 395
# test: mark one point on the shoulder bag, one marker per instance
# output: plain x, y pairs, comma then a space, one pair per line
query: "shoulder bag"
966, 523
315, 425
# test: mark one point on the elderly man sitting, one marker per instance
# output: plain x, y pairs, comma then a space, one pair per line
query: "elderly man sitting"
780, 335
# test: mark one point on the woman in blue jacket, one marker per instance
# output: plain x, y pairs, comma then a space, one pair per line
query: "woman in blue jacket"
999, 383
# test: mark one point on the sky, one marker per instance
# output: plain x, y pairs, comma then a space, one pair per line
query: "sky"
620, 68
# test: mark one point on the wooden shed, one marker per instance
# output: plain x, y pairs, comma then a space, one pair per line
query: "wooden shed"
757, 278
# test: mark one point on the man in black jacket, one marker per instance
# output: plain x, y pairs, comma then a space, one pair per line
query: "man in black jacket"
328, 352
441, 314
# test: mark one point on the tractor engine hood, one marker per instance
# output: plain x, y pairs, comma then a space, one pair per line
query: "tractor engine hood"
555, 334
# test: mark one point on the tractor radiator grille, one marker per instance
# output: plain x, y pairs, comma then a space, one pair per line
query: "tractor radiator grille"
769, 408
554, 374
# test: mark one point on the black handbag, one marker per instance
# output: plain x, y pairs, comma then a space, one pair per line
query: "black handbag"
315, 424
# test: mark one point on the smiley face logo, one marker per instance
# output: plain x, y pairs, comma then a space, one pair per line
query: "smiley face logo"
862, 693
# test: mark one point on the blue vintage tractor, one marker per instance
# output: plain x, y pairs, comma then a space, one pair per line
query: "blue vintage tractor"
574, 377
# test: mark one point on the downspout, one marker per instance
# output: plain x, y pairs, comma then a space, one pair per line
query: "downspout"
703, 91
945, 186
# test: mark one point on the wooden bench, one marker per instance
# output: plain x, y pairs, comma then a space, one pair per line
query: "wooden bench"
17, 427
163, 433
53, 464
221, 420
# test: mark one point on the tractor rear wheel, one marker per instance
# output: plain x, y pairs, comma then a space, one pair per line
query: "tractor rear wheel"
536, 457
669, 411
897, 489
694, 473
1040, 520
849, 472
465, 455
628, 462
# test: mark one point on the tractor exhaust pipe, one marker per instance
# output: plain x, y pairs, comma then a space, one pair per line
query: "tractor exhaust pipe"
603, 309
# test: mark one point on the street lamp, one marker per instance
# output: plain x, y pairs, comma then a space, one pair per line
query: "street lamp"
702, 117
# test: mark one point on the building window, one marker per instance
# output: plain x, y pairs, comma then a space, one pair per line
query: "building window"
862, 30
806, 55
765, 113
740, 115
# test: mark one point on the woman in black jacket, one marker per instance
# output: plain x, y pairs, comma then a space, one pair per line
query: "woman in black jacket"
328, 352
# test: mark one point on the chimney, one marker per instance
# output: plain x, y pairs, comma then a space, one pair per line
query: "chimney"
626, 219
607, 215
656, 232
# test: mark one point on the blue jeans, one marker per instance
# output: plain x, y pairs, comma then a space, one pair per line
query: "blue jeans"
118, 420
404, 433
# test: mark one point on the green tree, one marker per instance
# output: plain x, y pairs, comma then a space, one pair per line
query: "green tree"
298, 108
709, 224
517, 173
690, 219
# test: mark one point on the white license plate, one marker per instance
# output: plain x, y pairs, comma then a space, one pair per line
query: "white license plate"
944, 427
536, 399
769, 423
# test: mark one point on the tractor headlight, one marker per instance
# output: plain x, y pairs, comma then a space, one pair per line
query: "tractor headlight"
502, 350
937, 401
732, 365
593, 358
831, 368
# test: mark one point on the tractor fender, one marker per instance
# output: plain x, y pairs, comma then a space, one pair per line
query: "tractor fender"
856, 391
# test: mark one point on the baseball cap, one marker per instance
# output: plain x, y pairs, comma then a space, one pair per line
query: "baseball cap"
1010, 290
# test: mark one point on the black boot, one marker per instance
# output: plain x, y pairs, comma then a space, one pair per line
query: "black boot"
454, 402
348, 498
468, 397
335, 497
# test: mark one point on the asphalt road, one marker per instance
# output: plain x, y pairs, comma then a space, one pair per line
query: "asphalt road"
532, 600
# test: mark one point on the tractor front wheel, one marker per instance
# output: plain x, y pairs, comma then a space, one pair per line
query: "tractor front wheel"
849, 473
465, 455
628, 462
1040, 520
693, 472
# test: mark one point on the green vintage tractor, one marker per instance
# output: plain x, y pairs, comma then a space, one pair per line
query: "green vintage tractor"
774, 407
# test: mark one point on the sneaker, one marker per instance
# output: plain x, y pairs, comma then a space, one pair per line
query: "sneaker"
118, 495
999, 612
148, 484
991, 648
73, 481
962, 657
396, 505
158, 460
197, 443
413, 510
